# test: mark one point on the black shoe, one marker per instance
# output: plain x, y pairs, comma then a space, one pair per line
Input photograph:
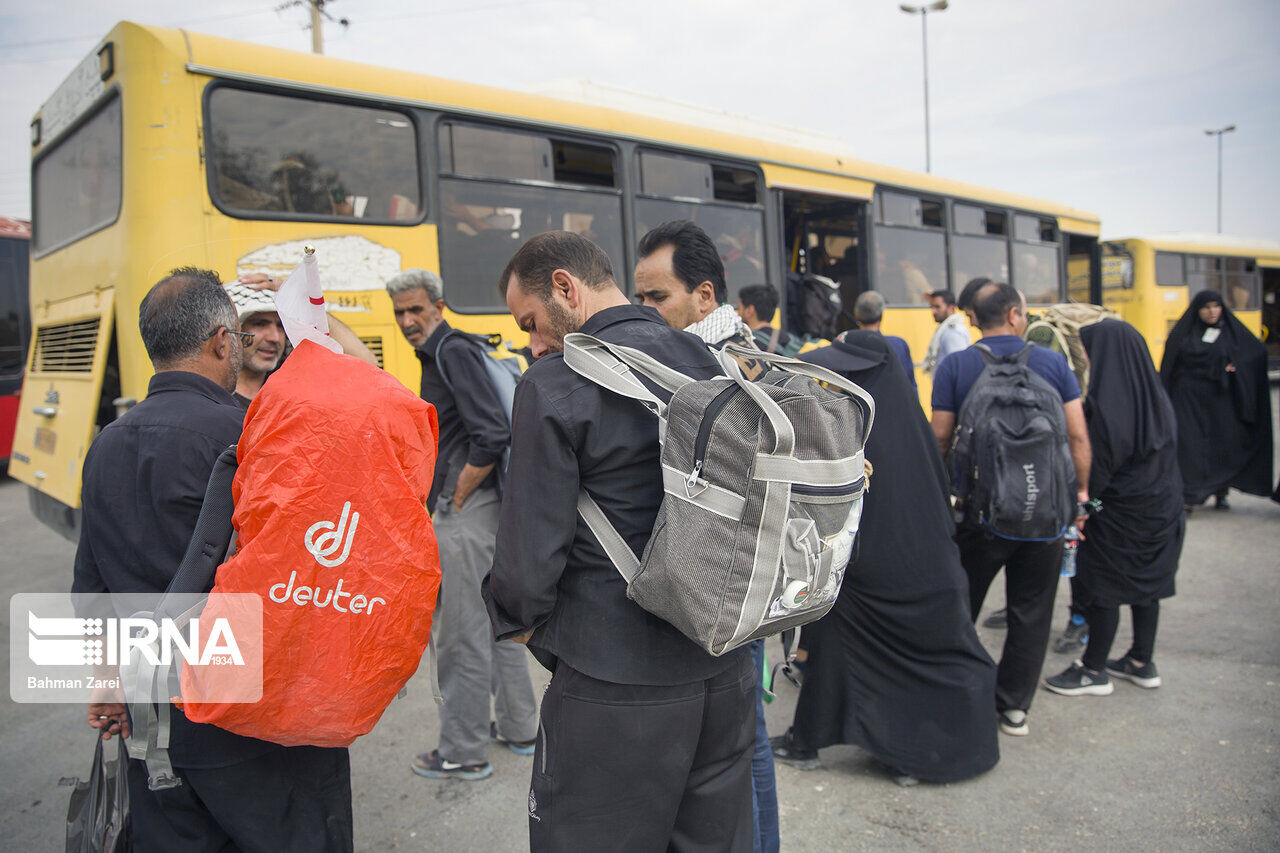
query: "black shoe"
1074, 638
432, 766
1220, 502
1076, 680
784, 750
1143, 676
999, 619
1014, 722
519, 747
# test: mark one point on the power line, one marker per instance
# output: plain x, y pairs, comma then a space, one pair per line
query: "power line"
94, 38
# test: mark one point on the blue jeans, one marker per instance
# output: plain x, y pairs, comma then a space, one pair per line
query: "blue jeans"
764, 787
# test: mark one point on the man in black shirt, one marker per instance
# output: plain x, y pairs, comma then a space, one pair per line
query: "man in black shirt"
464, 500
144, 482
645, 740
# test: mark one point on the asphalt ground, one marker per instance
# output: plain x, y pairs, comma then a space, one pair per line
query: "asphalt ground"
1193, 765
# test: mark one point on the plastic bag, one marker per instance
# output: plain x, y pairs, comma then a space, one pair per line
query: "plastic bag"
98, 815
335, 464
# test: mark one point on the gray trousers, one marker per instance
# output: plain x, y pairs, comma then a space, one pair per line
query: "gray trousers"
471, 664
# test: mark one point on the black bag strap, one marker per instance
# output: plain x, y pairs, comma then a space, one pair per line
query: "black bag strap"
991, 359
486, 342
210, 539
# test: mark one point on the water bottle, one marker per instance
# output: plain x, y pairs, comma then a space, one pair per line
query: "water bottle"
1069, 548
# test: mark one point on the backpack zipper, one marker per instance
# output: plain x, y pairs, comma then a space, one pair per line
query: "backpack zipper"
717, 404
828, 491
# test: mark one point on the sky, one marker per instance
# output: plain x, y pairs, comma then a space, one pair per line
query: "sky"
1092, 103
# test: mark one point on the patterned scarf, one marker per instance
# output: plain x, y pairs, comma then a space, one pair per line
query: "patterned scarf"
720, 325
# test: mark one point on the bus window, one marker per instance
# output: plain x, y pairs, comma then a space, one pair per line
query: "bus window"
911, 249
1243, 285
1037, 270
676, 177
1117, 266
698, 190
489, 204
291, 157
14, 312
738, 234
983, 251
1203, 273
76, 186
1169, 271
974, 257
487, 153
483, 223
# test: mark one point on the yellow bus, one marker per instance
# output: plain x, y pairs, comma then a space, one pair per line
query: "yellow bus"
166, 148
1150, 281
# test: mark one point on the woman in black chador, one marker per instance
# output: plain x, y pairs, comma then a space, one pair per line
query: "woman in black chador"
1216, 373
896, 667
1131, 547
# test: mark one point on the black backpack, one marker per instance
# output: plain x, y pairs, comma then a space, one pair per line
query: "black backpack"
814, 305
1013, 463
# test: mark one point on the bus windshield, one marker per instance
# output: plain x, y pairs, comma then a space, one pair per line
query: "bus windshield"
76, 186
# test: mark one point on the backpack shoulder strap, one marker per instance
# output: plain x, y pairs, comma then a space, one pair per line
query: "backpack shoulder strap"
1023, 355
773, 341
988, 357
211, 537
613, 367
448, 383
615, 547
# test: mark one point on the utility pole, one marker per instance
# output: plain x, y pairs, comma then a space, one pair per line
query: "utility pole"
1218, 133
317, 30
318, 16
923, 12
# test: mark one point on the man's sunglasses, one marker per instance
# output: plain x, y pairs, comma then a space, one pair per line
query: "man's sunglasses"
246, 338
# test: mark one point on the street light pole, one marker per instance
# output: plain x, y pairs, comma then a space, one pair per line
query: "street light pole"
923, 12
1218, 133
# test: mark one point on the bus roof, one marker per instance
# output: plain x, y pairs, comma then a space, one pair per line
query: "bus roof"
1207, 244
228, 59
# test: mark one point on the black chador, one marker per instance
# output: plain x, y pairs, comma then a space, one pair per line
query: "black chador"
1224, 415
896, 667
1132, 546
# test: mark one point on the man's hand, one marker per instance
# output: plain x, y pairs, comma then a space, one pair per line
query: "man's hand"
469, 479
261, 281
109, 718
1082, 498
523, 639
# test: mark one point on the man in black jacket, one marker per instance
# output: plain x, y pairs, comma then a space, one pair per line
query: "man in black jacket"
144, 484
645, 740
464, 504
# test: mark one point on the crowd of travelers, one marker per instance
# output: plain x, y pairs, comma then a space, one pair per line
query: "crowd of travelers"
644, 740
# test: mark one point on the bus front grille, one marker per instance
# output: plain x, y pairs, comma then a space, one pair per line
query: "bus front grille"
66, 347
374, 344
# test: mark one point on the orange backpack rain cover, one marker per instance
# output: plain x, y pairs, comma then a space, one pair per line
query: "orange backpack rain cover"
335, 463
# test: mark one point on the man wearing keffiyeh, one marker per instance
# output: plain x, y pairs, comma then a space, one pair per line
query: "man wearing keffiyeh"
681, 275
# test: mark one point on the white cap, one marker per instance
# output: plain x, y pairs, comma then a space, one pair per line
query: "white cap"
249, 301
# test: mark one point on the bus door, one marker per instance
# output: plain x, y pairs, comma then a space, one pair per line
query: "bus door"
823, 234
15, 327
1271, 309
1084, 268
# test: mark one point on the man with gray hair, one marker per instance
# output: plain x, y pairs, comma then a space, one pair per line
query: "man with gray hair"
144, 483
868, 310
464, 502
